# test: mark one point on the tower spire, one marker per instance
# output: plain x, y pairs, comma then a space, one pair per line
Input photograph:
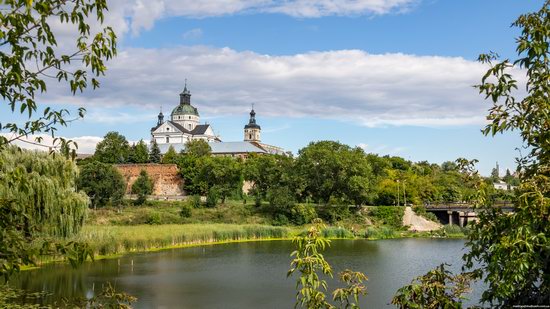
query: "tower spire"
185, 95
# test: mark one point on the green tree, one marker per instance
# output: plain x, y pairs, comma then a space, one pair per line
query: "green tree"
514, 249
30, 54
114, 149
170, 157
143, 186
103, 183
155, 156
221, 174
38, 201
140, 153
198, 148
331, 169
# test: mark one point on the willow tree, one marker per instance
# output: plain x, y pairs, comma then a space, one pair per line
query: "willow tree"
39, 206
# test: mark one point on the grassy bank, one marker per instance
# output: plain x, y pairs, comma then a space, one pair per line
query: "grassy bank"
109, 240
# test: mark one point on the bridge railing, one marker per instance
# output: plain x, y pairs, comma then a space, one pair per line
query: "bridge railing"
465, 205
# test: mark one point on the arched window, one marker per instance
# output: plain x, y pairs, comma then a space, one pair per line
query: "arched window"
249, 136
167, 129
189, 126
167, 140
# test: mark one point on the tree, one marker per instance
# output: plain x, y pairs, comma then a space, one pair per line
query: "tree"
140, 153
170, 157
30, 54
331, 169
221, 174
114, 149
514, 249
495, 177
143, 186
155, 152
38, 201
102, 183
197, 148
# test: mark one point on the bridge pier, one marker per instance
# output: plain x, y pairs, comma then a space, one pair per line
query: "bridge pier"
450, 213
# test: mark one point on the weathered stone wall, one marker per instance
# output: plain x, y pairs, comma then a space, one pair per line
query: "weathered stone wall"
166, 180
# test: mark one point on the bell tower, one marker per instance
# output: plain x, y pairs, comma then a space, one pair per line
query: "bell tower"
252, 129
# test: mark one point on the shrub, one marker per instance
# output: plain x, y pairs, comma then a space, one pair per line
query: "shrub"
388, 215
382, 232
143, 186
212, 198
195, 201
336, 232
185, 211
302, 213
154, 219
102, 183
280, 219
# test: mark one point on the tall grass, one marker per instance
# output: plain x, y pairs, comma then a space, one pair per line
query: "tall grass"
383, 232
106, 240
337, 232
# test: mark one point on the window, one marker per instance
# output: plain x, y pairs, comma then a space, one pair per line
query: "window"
167, 140
189, 126
167, 129
189, 117
249, 136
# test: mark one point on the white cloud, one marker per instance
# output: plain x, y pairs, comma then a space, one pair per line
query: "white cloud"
86, 144
192, 34
381, 149
136, 15
346, 85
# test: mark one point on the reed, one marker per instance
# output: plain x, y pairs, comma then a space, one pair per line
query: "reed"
109, 240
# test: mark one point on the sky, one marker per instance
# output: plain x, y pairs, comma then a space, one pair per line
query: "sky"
394, 77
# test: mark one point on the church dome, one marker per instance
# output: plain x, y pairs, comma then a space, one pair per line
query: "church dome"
185, 109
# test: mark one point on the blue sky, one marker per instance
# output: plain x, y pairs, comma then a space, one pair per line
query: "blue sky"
391, 76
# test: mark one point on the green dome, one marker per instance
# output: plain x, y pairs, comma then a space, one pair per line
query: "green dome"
185, 109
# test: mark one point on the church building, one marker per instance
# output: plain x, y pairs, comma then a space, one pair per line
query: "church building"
184, 125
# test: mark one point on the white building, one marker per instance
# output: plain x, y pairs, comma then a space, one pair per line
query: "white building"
184, 124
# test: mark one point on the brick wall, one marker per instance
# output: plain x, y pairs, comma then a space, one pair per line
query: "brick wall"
166, 180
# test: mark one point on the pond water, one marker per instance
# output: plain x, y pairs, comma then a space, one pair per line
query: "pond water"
244, 275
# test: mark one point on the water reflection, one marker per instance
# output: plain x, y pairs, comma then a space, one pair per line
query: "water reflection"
242, 275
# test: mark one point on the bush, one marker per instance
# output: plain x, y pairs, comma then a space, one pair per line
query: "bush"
143, 186
337, 232
154, 219
102, 183
303, 214
382, 232
195, 201
185, 211
212, 198
280, 219
388, 215
334, 213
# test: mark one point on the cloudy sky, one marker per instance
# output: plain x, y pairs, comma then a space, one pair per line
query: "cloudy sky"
392, 76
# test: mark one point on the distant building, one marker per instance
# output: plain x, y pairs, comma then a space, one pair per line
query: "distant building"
184, 125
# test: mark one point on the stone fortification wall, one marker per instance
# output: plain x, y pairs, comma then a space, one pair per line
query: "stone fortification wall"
166, 180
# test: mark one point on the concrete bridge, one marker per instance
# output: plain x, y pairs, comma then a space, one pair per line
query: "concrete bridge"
462, 213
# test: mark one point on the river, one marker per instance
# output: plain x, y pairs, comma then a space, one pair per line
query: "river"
244, 275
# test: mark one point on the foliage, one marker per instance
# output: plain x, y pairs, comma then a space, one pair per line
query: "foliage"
331, 169
195, 201
143, 186
109, 297
154, 219
30, 54
154, 154
383, 232
439, 288
513, 250
39, 207
170, 157
268, 171
388, 215
212, 198
185, 211
103, 183
114, 149
139, 153
302, 214
221, 174
197, 148
308, 261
